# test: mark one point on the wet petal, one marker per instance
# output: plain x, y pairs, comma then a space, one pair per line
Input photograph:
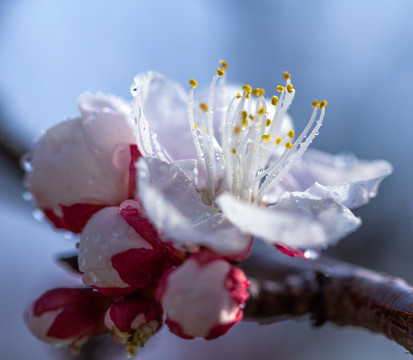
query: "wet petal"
172, 203
163, 105
343, 177
297, 220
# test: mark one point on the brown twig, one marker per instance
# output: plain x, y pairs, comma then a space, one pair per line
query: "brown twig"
341, 293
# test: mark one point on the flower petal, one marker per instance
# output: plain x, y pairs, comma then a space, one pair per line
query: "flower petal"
172, 203
297, 220
162, 105
343, 177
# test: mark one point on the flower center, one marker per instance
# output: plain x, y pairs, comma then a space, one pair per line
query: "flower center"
255, 151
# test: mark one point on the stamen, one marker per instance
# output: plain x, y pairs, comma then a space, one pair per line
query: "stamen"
288, 145
268, 122
290, 134
315, 103
278, 140
266, 138
203, 106
290, 88
280, 88
193, 83
258, 92
286, 75
261, 111
220, 72
223, 64
234, 151
274, 100
323, 104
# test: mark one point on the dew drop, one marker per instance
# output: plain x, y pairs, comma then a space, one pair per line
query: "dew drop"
27, 196
26, 163
38, 215
121, 157
69, 235
311, 254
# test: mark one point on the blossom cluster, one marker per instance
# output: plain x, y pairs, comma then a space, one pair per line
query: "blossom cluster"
167, 196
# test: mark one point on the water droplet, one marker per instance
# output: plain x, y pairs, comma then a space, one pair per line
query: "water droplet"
69, 235
38, 215
311, 254
26, 163
121, 157
345, 160
27, 196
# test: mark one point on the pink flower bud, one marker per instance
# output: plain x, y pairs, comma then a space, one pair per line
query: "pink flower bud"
120, 251
67, 317
81, 165
133, 319
203, 297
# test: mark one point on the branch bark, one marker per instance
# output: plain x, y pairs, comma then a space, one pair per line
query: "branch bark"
334, 291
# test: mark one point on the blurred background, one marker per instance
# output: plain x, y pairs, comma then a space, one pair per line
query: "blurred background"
357, 55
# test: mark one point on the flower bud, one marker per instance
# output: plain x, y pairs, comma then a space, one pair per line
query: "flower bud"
133, 319
81, 165
203, 297
67, 317
120, 251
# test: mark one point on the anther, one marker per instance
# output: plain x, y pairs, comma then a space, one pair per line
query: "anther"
278, 140
203, 106
266, 138
247, 89
239, 96
261, 111
251, 117
280, 88
258, 92
220, 72
223, 64
288, 145
290, 88
274, 100
315, 103
290, 134
268, 122
193, 83
286, 75
237, 130
323, 104
234, 151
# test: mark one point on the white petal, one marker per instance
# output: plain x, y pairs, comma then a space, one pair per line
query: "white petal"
297, 220
343, 177
163, 103
84, 160
172, 203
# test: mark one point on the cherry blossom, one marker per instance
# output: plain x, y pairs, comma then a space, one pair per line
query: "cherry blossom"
221, 168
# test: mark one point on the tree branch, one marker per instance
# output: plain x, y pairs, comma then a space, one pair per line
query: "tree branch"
338, 292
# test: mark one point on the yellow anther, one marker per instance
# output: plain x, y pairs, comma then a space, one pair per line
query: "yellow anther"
315, 103
223, 64
234, 151
288, 145
290, 134
245, 122
323, 104
193, 83
258, 92
220, 72
286, 75
255, 150
196, 126
237, 130
268, 122
290, 88
203, 106
239, 96
278, 140
244, 114
250, 116
280, 88
261, 111
274, 100
266, 138
247, 89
